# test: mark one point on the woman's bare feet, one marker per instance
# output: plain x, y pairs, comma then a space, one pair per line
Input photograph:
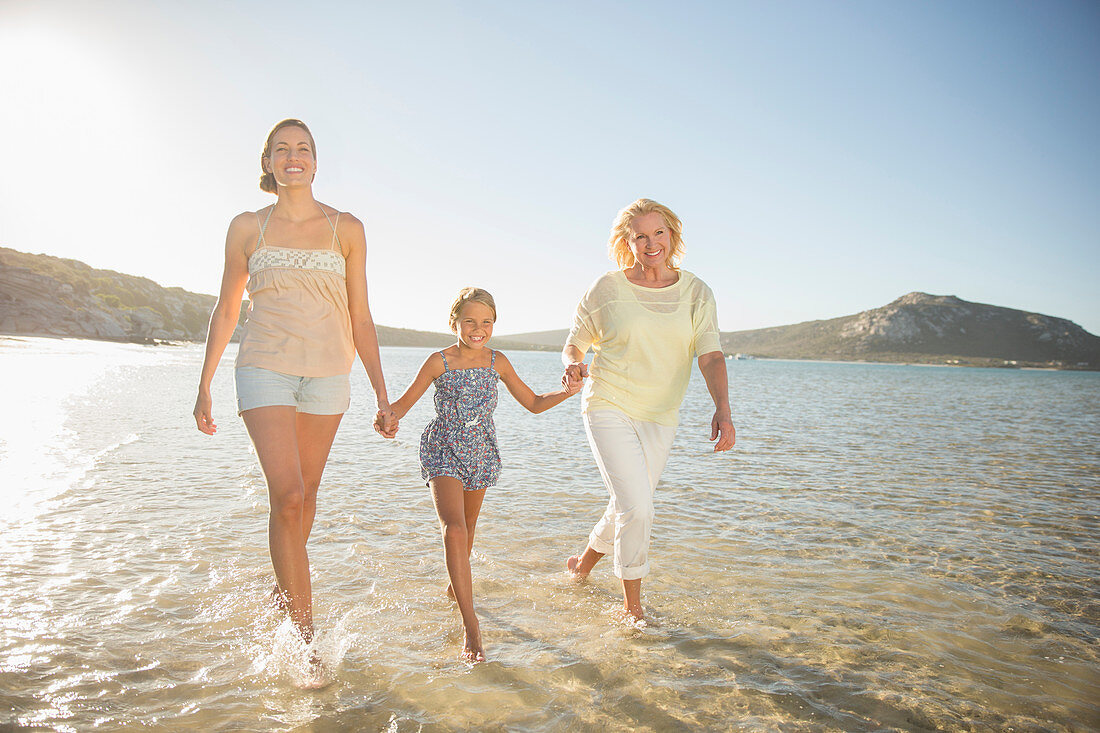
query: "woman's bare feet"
472, 650
579, 566
278, 599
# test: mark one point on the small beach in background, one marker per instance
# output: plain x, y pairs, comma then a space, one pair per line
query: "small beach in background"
887, 547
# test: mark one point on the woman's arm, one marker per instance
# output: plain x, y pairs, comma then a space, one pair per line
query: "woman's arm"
363, 333
524, 394
575, 368
712, 366
224, 317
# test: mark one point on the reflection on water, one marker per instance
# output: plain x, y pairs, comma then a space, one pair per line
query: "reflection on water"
887, 548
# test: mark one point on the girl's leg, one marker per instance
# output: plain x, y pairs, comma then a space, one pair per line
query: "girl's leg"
315, 436
274, 434
471, 509
447, 493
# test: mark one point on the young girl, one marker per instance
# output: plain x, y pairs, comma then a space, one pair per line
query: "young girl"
458, 450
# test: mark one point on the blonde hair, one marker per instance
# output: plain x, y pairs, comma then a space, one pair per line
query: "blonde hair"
618, 247
470, 295
267, 180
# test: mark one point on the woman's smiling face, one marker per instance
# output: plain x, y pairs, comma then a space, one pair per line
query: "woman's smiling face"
649, 240
292, 161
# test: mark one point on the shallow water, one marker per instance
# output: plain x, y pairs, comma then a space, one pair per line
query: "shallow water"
888, 547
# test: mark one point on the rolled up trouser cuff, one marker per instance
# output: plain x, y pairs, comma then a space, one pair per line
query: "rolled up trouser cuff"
635, 573
599, 545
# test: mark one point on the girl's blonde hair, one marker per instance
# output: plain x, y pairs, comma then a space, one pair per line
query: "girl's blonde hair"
470, 295
618, 247
267, 180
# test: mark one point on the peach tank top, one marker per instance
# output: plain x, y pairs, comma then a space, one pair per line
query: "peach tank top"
298, 320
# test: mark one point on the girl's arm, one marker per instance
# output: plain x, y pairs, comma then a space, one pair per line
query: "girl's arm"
712, 366
429, 372
226, 313
363, 333
524, 394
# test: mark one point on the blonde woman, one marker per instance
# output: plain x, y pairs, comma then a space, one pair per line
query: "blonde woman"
304, 264
645, 323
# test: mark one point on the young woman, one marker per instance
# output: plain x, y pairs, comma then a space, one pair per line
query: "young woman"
304, 264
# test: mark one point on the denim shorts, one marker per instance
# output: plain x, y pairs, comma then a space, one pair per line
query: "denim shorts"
257, 387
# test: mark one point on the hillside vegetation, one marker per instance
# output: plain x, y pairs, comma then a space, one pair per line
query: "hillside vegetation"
51, 296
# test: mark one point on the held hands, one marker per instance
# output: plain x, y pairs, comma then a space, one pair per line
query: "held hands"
203, 419
386, 422
574, 377
721, 428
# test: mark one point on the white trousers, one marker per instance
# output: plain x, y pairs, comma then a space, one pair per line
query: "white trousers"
631, 454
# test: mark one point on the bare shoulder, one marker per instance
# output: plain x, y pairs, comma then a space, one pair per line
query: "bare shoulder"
433, 365
246, 221
348, 221
502, 361
243, 229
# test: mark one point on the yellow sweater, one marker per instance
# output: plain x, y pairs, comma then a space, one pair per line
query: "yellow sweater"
644, 341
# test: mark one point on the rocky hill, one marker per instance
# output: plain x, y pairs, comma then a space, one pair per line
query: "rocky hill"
50, 296
924, 328
45, 295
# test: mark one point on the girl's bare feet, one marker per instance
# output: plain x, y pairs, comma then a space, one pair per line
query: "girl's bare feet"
472, 650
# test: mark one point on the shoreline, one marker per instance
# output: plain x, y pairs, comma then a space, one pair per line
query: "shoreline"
519, 346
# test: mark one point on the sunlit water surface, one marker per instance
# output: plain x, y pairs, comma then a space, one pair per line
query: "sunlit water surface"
887, 547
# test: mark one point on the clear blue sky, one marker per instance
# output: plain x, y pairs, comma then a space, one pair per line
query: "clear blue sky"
826, 157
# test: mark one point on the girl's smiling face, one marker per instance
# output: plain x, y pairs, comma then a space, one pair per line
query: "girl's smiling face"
292, 161
475, 324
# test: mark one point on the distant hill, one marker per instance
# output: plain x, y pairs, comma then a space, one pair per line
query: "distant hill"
44, 295
917, 328
924, 328
550, 339
51, 296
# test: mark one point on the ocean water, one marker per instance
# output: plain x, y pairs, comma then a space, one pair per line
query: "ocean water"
887, 548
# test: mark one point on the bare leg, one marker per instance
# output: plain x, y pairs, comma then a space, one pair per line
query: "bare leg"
315, 436
471, 508
579, 566
632, 599
274, 434
447, 493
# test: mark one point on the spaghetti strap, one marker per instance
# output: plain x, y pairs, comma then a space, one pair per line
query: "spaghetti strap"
335, 239
263, 227
492, 358
446, 368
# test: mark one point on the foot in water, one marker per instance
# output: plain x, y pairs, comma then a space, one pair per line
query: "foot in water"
316, 674
572, 565
278, 599
472, 650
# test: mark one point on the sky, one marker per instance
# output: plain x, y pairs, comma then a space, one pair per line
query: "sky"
825, 157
